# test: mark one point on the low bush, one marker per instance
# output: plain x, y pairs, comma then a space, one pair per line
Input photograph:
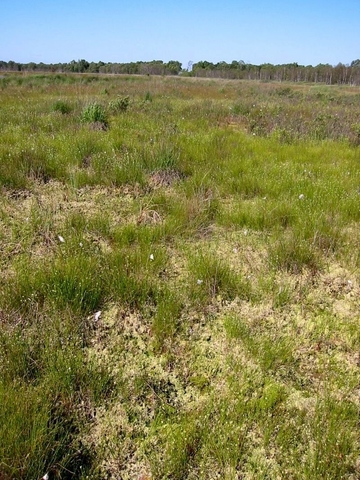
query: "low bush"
119, 104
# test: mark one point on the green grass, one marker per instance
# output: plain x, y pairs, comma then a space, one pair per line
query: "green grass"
180, 279
94, 113
61, 107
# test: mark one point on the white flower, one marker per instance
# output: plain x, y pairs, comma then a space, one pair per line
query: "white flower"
151, 257
199, 282
301, 196
61, 239
81, 244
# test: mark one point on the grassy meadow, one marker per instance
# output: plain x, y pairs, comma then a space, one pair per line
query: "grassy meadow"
180, 279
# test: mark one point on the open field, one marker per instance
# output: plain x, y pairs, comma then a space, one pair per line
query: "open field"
180, 279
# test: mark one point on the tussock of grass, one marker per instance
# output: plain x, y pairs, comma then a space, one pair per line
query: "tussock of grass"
94, 113
61, 107
180, 281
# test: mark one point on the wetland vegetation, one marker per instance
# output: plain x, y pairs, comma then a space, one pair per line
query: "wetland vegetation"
180, 278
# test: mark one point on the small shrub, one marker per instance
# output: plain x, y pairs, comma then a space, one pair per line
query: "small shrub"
120, 104
94, 113
284, 92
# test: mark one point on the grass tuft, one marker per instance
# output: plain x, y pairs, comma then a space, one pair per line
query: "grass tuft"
95, 113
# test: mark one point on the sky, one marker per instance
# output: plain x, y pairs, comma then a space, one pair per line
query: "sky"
255, 31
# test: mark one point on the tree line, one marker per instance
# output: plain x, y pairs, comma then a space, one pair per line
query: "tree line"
155, 67
292, 72
323, 73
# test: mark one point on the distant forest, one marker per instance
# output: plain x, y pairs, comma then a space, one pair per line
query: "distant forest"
293, 72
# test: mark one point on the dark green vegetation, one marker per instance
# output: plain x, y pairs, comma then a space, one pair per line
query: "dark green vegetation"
180, 279
339, 74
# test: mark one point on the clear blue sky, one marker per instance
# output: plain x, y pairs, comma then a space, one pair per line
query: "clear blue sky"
258, 31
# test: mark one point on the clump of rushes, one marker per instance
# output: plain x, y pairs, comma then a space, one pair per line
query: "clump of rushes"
95, 113
61, 107
211, 277
69, 282
293, 254
148, 97
166, 320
